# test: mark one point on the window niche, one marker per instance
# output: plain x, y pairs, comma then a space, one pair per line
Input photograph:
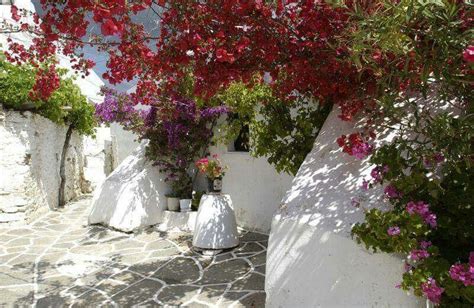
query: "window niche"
242, 142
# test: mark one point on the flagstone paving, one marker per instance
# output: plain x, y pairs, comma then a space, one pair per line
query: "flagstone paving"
59, 261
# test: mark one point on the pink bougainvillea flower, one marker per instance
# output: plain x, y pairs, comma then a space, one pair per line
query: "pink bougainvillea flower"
355, 202
393, 231
391, 192
419, 254
468, 54
432, 291
365, 185
425, 244
378, 172
463, 272
422, 209
362, 150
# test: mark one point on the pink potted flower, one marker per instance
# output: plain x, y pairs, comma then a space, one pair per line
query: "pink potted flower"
214, 171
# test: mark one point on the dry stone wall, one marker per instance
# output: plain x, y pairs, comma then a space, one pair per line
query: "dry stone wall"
30, 155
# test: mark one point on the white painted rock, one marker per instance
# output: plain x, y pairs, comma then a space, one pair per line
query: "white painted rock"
131, 197
312, 259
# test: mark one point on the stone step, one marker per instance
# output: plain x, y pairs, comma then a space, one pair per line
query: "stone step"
12, 200
11, 217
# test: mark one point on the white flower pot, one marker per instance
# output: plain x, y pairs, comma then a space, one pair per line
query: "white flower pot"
185, 205
173, 204
216, 227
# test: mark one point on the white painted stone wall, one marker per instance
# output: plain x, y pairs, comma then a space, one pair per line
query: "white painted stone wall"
30, 153
124, 142
99, 156
96, 157
255, 187
312, 260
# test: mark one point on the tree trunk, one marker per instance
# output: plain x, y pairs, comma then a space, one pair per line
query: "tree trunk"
62, 168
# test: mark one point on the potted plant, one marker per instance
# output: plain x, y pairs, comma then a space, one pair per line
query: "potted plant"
185, 191
173, 202
214, 171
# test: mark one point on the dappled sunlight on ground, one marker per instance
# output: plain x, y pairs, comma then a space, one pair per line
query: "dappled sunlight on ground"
59, 261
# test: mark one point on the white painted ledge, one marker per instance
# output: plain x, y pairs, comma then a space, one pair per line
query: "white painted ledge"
177, 221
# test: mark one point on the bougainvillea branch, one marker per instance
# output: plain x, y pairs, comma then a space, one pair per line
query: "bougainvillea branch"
295, 42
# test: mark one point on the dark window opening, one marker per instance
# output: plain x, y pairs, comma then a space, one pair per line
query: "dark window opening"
241, 143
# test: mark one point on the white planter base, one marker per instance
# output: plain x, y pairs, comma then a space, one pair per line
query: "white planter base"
216, 227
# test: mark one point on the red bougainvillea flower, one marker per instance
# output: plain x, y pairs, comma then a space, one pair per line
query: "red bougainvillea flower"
15, 16
223, 56
47, 81
468, 54
355, 145
111, 27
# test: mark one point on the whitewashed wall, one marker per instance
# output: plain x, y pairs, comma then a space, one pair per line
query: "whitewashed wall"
312, 260
96, 158
30, 154
124, 142
255, 187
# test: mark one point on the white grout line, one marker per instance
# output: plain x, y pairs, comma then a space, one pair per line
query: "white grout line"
38, 259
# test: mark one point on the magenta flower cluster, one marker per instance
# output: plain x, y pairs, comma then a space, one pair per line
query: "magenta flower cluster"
433, 160
422, 253
422, 209
464, 272
378, 173
419, 254
115, 108
362, 150
392, 231
177, 129
391, 192
432, 291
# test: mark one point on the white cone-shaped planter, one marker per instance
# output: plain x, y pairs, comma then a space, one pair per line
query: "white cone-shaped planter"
216, 227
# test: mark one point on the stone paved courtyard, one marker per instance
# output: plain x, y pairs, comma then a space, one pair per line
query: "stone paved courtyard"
60, 261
